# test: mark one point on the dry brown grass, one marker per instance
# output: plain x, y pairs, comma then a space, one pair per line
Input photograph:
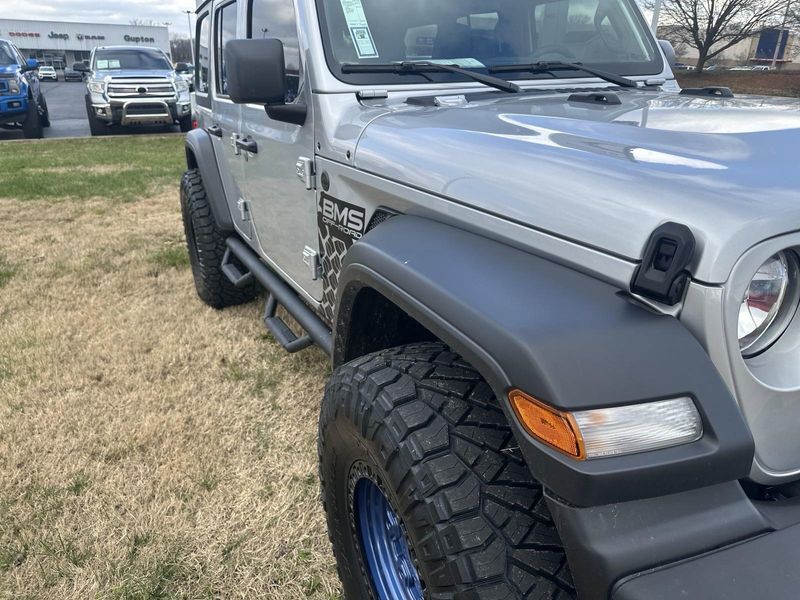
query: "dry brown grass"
150, 447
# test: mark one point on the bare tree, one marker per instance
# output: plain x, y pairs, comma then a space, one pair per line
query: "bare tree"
713, 26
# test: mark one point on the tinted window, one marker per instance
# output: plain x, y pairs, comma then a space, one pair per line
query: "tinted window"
226, 31
203, 54
6, 54
270, 19
135, 58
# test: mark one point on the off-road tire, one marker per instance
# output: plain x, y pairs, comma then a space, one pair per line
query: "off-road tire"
206, 243
32, 127
430, 429
185, 123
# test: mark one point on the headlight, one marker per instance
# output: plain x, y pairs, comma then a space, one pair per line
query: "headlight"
13, 86
181, 85
97, 87
769, 303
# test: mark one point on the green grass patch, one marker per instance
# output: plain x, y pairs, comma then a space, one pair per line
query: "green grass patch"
7, 270
121, 169
171, 257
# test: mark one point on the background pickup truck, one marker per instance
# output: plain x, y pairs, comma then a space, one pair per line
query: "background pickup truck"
132, 86
22, 104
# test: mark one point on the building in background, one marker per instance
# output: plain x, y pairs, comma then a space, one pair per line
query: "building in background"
60, 44
753, 51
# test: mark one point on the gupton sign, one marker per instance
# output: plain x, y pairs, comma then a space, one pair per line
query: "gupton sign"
138, 39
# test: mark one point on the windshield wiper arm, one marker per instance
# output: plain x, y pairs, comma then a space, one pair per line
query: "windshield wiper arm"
420, 67
548, 67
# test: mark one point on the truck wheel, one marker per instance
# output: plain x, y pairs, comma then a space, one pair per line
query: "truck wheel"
32, 127
185, 123
206, 242
45, 113
425, 490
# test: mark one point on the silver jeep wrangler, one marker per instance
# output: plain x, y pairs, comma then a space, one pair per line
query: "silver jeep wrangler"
560, 294
132, 86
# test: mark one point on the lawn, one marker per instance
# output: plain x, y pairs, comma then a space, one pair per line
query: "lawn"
150, 447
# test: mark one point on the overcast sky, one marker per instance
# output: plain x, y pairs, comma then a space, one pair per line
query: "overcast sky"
103, 11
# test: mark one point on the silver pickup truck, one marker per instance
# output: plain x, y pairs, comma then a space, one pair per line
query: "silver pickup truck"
560, 294
131, 86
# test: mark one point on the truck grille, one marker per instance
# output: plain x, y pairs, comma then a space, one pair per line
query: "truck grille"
140, 87
3, 87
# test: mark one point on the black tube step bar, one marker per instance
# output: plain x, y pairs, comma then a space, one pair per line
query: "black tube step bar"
280, 293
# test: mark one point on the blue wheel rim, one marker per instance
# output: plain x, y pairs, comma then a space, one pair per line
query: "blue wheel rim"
384, 545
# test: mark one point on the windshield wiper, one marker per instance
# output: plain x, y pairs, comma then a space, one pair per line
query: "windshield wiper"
421, 67
549, 67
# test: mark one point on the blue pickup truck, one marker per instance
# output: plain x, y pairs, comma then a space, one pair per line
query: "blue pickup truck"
22, 104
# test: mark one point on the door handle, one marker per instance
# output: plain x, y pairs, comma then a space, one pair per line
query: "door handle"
215, 130
247, 144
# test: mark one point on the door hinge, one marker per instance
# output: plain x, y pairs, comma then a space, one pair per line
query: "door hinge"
244, 209
304, 168
311, 260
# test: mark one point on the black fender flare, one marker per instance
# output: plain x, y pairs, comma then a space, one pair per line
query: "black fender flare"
564, 337
200, 155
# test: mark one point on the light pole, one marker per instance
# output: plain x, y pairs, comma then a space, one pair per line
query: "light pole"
656, 15
780, 36
191, 36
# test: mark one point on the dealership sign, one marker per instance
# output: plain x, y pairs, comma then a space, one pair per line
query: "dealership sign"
85, 36
23, 34
58, 36
130, 38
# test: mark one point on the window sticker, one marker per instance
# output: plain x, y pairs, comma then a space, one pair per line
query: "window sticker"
102, 65
359, 28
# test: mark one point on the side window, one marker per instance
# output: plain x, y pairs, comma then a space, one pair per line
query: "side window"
225, 32
269, 19
202, 46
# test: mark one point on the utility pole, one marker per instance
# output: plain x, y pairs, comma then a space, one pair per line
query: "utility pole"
780, 35
191, 35
656, 15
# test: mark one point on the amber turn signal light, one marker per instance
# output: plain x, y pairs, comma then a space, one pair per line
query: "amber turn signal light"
553, 427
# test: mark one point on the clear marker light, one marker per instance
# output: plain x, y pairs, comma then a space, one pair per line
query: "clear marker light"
609, 432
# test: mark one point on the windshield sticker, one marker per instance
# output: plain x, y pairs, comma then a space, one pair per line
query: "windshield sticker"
102, 65
359, 29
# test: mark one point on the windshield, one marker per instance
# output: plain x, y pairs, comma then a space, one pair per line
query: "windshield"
136, 58
477, 34
7, 56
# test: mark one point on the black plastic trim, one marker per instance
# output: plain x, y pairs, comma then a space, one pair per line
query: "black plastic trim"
200, 146
663, 273
708, 92
570, 340
607, 543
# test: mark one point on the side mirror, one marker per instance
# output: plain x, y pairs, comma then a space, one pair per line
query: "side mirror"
31, 64
256, 74
80, 67
181, 67
669, 52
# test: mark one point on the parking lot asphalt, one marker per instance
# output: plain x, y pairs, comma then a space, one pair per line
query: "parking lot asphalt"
65, 100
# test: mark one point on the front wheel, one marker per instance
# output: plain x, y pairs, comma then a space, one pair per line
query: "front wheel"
32, 127
425, 489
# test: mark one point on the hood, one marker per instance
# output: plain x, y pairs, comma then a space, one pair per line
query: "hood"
607, 176
134, 73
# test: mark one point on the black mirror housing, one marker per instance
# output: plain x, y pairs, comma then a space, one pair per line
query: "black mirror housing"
256, 71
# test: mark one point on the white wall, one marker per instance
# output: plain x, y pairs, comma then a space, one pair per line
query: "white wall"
63, 37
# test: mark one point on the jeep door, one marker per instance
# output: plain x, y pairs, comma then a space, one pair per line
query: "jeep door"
217, 113
284, 210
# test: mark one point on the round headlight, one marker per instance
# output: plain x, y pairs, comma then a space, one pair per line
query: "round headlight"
769, 303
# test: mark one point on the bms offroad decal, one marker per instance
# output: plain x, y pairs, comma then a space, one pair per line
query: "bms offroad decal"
340, 225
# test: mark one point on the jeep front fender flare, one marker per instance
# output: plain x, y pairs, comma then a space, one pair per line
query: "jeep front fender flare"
200, 155
568, 339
